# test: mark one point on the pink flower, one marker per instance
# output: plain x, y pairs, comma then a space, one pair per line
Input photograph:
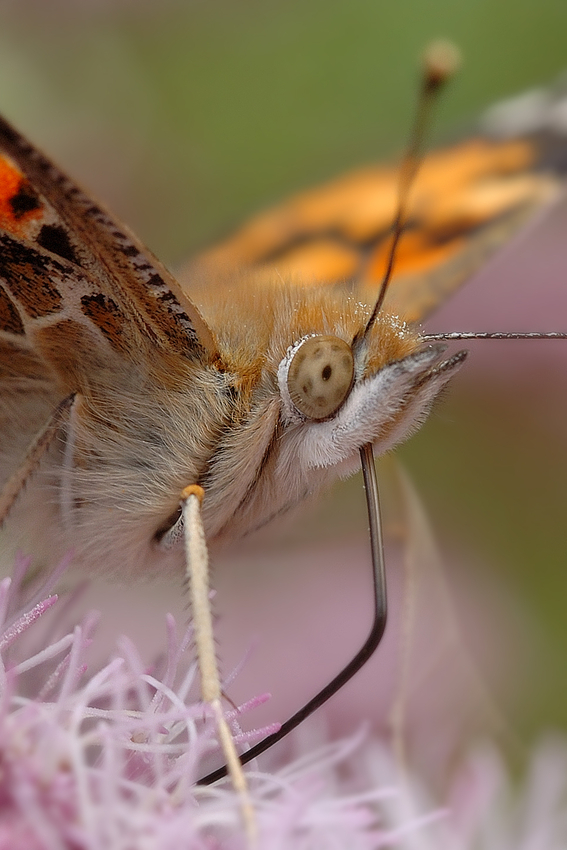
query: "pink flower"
109, 760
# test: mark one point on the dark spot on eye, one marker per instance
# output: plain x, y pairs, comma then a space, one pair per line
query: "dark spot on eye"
54, 238
24, 201
327, 372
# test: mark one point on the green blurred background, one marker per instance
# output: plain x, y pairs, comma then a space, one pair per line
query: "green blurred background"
185, 117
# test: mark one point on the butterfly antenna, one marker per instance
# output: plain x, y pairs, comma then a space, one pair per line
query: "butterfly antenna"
440, 62
459, 335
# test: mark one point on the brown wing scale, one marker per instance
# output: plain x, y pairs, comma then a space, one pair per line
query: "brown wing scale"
44, 210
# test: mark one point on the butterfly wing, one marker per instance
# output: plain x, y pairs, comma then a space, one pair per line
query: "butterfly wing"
85, 309
62, 253
467, 200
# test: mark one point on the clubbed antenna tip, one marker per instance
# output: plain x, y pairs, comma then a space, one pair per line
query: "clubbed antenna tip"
441, 61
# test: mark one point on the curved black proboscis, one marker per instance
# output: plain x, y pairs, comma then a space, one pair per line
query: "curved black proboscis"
373, 639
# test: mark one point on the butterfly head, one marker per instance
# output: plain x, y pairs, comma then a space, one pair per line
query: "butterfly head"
336, 395
309, 388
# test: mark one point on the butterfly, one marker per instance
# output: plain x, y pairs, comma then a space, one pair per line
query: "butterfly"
256, 375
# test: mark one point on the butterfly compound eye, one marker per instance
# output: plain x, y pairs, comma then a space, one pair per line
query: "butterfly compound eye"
320, 376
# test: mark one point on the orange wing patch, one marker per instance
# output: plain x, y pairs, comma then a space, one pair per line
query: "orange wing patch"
19, 203
466, 200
